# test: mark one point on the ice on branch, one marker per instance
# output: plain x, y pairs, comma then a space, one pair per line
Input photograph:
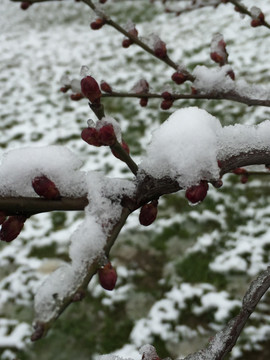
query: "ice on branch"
184, 148
19, 167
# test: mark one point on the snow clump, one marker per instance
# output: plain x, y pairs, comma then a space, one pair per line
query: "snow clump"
184, 148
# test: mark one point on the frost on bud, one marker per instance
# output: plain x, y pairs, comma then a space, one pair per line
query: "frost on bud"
91, 136
90, 89
12, 227
148, 213
124, 146
105, 87
218, 50
131, 29
143, 101
166, 104
97, 24
179, 77
45, 187
25, 5
107, 135
198, 192
107, 276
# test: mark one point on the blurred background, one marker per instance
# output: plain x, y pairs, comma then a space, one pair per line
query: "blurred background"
181, 279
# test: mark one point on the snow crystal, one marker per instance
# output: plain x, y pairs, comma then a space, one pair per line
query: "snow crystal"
255, 12
75, 85
184, 148
19, 167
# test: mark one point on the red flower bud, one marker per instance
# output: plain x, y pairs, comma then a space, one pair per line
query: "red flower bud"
90, 89
194, 91
179, 77
197, 193
76, 97
144, 101
91, 136
97, 24
148, 213
167, 95
166, 104
257, 22
107, 135
12, 227
124, 146
105, 87
25, 5
231, 74
126, 43
160, 49
107, 276
217, 58
45, 187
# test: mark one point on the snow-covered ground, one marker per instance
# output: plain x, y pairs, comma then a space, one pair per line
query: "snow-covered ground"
230, 231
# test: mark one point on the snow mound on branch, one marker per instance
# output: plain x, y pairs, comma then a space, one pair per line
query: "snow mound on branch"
184, 148
19, 167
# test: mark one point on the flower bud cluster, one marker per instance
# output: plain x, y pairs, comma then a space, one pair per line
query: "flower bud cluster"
98, 136
243, 174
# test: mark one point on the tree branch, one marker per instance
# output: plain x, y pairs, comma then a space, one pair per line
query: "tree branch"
223, 342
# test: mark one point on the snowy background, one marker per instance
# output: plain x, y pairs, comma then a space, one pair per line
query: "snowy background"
181, 279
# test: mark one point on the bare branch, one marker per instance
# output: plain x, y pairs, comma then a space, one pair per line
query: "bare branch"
223, 342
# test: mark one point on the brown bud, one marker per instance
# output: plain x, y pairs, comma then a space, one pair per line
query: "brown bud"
160, 49
239, 171
148, 213
107, 276
167, 95
45, 187
12, 227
